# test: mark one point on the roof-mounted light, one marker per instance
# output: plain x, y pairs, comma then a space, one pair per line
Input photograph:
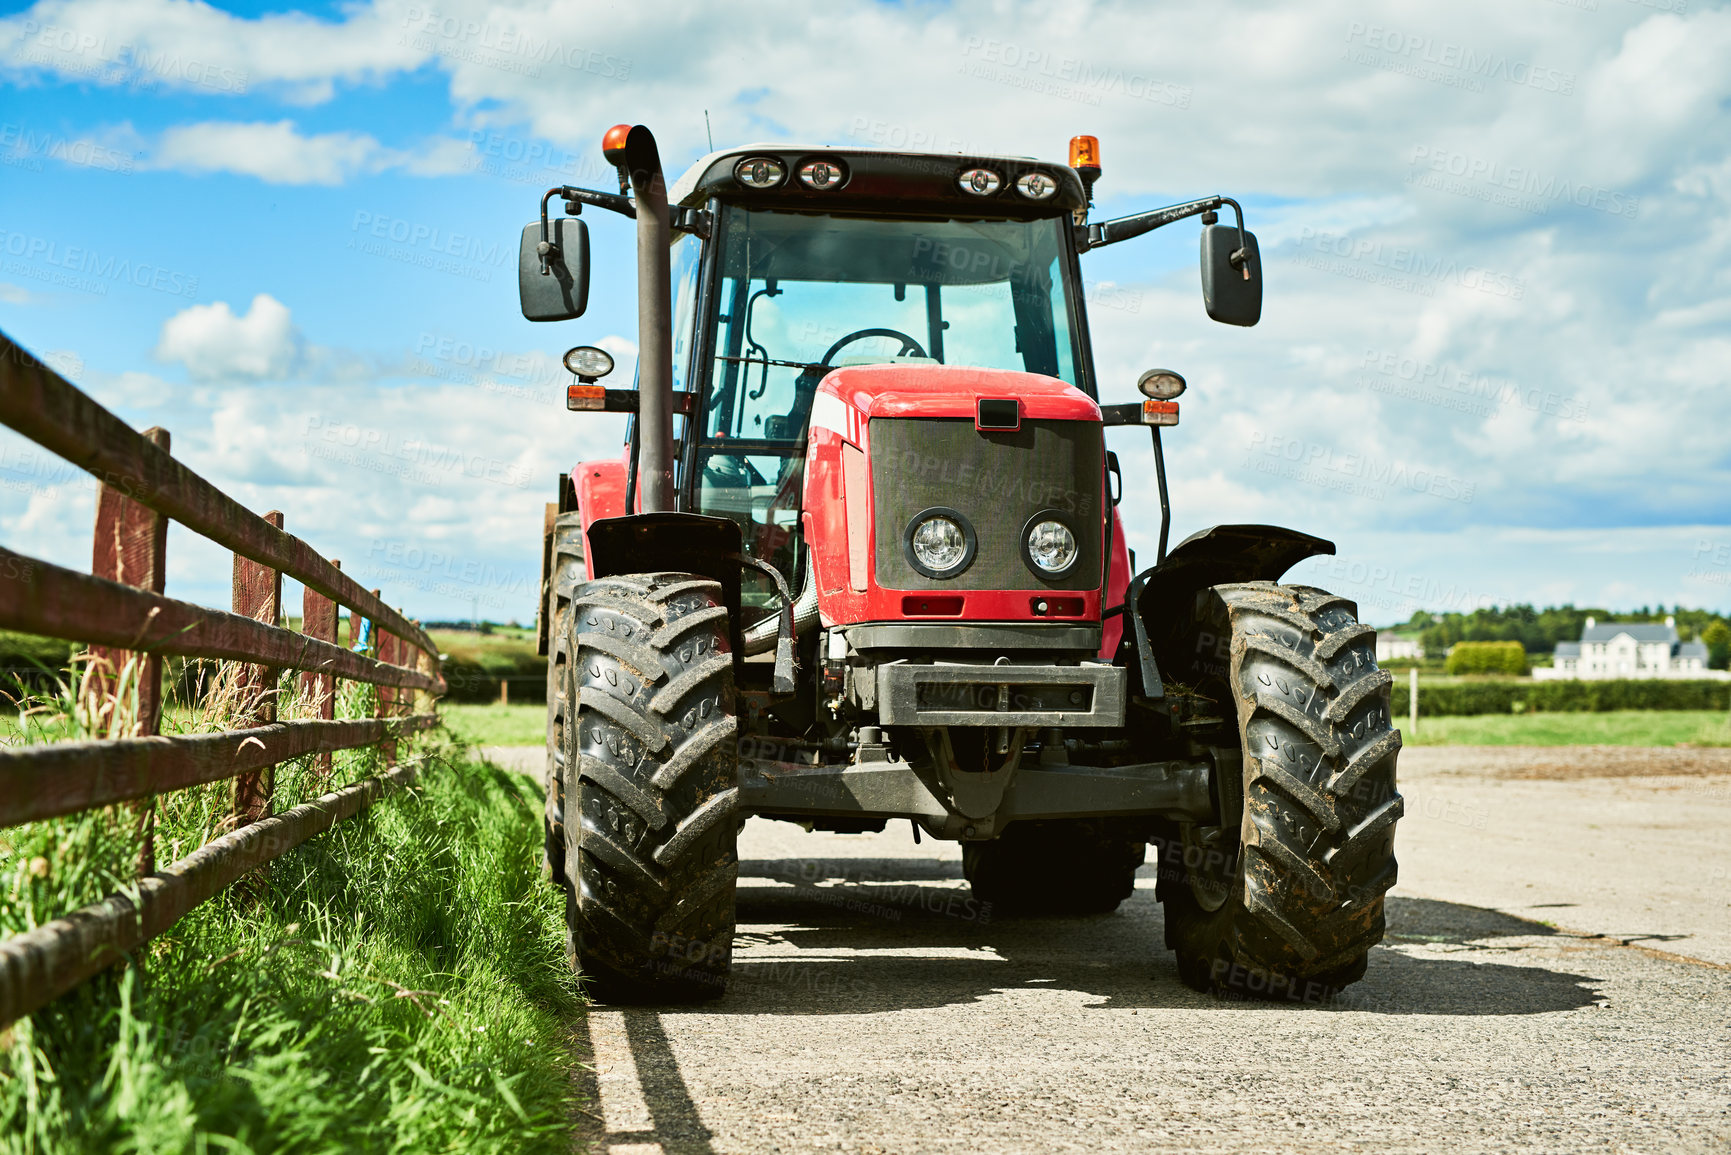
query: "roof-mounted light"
981, 182
1036, 186
613, 144
1085, 153
759, 172
822, 175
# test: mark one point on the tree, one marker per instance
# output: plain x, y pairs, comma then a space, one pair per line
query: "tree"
1718, 639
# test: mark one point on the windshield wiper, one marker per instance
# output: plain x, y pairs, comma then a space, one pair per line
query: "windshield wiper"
772, 361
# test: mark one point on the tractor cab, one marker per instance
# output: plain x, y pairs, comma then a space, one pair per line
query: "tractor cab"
792, 263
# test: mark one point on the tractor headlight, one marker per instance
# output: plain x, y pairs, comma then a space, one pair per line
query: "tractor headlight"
939, 542
759, 172
1036, 186
1049, 547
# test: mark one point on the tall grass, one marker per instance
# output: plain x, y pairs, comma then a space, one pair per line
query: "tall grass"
396, 984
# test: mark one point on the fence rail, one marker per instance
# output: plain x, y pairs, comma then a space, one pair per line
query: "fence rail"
121, 611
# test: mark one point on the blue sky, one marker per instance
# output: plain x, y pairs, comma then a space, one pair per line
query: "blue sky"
1493, 361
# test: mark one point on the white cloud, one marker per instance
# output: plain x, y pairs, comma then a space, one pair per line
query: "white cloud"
275, 153
187, 46
216, 345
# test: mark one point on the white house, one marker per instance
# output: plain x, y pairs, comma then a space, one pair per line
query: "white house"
1394, 646
1626, 650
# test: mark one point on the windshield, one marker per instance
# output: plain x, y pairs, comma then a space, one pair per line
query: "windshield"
816, 292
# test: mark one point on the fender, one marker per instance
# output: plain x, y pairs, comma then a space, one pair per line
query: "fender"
598, 488
1219, 555
681, 542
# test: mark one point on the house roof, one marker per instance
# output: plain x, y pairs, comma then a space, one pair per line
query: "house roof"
1647, 633
1568, 649
1693, 650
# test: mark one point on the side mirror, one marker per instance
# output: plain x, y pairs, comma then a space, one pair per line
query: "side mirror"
1231, 289
562, 292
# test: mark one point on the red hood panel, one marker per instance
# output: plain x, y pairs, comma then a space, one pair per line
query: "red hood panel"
953, 391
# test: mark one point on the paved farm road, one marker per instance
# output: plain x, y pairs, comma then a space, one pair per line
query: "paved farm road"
875, 1008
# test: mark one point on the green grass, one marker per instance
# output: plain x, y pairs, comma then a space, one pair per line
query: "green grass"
396, 984
1612, 728
401, 986
495, 725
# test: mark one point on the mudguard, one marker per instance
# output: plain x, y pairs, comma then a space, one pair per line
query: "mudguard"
677, 542
1209, 557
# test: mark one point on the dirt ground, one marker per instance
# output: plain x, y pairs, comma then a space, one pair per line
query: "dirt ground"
1556, 977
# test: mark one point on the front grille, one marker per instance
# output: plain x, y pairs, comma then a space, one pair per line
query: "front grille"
998, 480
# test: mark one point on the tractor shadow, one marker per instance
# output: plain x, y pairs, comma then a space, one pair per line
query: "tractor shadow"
864, 935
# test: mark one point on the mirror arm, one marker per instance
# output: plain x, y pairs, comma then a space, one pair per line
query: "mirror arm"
575, 199
1124, 228
1240, 254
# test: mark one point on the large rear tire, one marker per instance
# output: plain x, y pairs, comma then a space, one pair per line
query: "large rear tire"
1063, 868
651, 789
1285, 899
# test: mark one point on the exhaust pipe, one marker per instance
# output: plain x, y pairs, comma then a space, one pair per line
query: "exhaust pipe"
632, 150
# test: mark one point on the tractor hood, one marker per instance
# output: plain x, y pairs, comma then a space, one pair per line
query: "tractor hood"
857, 393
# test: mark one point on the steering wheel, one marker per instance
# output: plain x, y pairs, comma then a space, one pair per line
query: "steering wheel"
909, 345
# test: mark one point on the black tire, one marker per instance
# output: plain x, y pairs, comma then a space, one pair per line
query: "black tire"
1285, 899
651, 772
1063, 868
565, 572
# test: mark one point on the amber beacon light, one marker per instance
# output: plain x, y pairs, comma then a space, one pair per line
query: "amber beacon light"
1085, 159
1085, 155
613, 144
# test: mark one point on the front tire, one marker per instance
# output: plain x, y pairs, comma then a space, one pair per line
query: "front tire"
651, 789
1285, 898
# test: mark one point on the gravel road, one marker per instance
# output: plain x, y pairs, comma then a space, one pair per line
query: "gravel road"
1555, 978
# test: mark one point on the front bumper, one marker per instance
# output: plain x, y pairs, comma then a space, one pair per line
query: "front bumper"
918, 694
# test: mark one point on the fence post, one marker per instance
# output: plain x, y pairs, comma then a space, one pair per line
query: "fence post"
385, 650
131, 547
388, 646
319, 620
257, 594
428, 664
1412, 701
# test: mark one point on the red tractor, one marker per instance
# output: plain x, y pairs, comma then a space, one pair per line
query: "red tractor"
861, 560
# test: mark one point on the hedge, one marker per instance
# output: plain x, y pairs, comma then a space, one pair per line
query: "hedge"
1487, 658
1563, 696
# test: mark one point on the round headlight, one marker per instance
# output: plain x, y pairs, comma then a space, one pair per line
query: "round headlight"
820, 174
982, 182
588, 361
1050, 547
1160, 384
1036, 186
759, 172
939, 543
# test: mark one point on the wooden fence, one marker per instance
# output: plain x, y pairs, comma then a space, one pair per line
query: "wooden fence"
120, 611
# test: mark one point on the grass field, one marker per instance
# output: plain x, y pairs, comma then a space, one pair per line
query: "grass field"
496, 725
1613, 728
